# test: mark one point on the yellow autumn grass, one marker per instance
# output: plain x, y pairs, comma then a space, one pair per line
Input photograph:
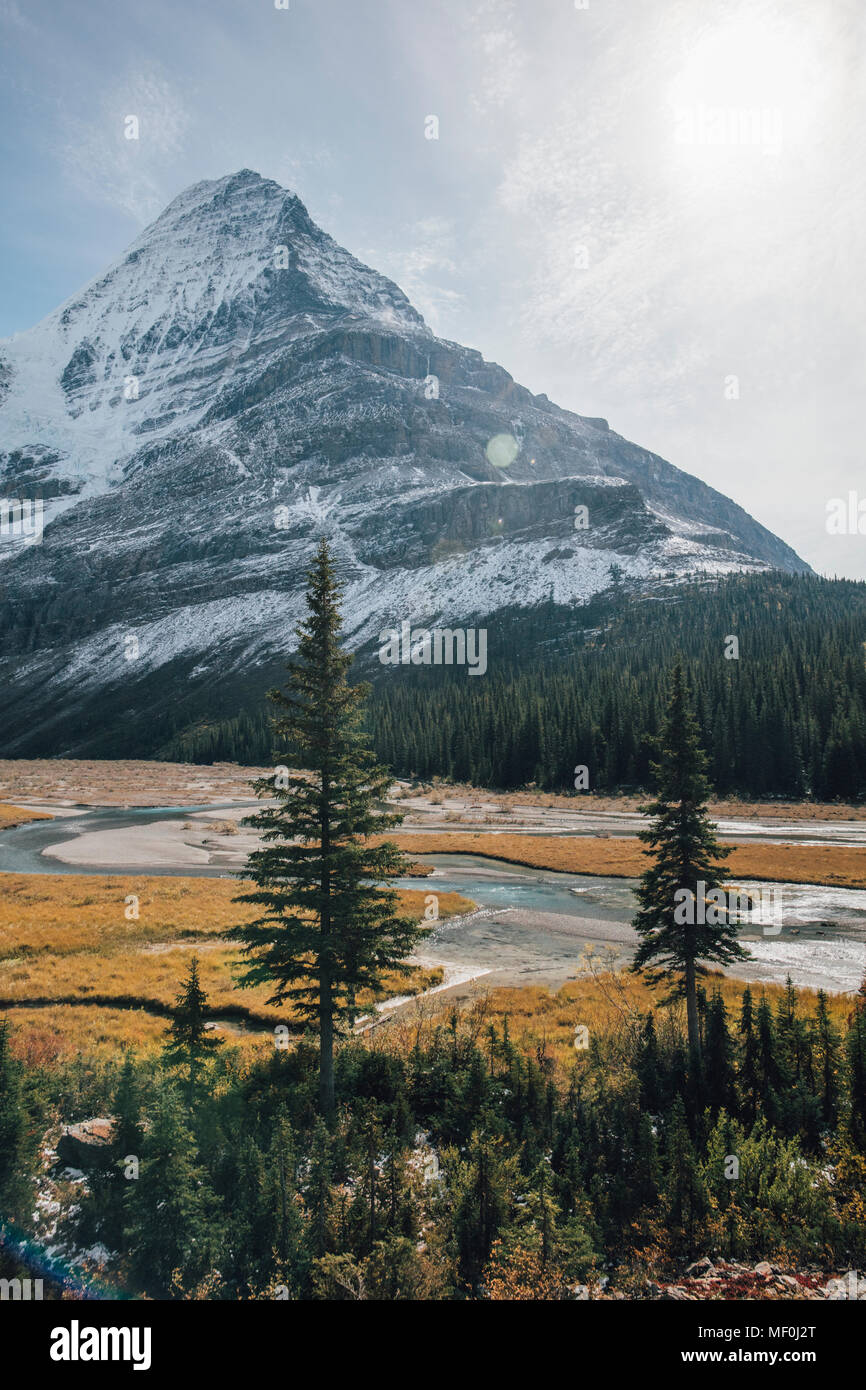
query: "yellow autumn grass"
544, 1024
78, 975
836, 865
62, 1032
10, 816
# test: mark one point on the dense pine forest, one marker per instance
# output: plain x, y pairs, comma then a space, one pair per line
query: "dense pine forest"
786, 717
463, 1162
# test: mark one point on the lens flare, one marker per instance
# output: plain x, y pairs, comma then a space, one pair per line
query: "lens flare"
502, 450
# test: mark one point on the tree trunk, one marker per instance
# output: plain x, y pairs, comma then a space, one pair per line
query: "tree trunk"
326, 1050
692, 1011
326, 1003
284, 1244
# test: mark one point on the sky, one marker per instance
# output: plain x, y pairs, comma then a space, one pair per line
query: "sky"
651, 210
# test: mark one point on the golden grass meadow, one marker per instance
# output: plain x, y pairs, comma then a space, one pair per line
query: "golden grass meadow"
836, 865
78, 975
10, 816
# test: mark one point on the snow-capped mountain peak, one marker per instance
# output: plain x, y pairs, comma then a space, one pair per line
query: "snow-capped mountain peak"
236, 385
233, 268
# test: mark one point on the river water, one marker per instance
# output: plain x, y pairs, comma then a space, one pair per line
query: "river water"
21, 849
530, 924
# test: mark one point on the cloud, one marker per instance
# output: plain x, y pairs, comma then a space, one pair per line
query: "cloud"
10, 14
131, 174
500, 54
420, 259
650, 261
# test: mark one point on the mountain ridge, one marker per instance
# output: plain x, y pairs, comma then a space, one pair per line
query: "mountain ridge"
236, 385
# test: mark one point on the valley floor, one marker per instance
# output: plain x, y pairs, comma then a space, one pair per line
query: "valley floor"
75, 782
117, 874
538, 897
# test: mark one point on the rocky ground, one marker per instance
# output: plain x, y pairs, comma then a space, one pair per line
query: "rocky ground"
70, 782
123, 782
706, 1280
727, 1281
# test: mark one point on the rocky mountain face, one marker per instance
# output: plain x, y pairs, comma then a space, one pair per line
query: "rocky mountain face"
179, 434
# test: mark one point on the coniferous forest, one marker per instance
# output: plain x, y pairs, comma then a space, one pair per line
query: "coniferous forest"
461, 1163
786, 717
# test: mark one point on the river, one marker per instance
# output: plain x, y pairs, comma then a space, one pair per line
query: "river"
530, 924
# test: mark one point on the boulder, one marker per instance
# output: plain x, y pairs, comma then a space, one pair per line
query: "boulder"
82, 1145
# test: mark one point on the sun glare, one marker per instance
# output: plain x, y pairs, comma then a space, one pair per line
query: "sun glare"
751, 63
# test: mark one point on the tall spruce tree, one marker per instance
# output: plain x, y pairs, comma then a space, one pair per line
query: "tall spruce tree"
747, 1077
686, 854
329, 928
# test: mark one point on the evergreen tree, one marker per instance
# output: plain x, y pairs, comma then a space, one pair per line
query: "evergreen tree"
686, 854
646, 1179
318, 1194
649, 1068
724, 1143
482, 1205
250, 1221
190, 1042
719, 1060
170, 1225
109, 1182
685, 1198
828, 1049
558, 1247
771, 1075
855, 1046
748, 1077
366, 1214
12, 1130
283, 1203
128, 1132
794, 723
328, 929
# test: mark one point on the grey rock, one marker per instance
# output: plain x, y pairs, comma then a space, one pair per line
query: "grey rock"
236, 386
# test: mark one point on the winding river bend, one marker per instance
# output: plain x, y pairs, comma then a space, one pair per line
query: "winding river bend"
25, 850
530, 925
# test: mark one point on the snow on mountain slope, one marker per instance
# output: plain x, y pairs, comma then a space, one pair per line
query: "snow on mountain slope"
194, 305
237, 385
